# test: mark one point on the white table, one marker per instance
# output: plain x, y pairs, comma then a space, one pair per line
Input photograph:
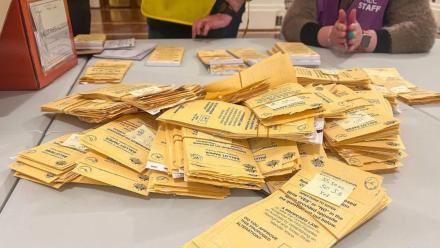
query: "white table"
22, 125
89, 216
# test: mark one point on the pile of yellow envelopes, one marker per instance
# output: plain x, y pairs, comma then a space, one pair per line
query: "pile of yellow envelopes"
312, 137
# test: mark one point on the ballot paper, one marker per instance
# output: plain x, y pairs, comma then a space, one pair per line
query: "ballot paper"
129, 54
354, 78
302, 213
234, 121
106, 71
119, 44
249, 55
253, 81
166, 56
90, 41
127, 140
218, 57
300, 54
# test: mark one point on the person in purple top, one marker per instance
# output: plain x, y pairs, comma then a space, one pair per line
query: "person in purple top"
387, 26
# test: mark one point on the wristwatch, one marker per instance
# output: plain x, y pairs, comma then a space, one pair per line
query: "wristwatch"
225, 8
366, 40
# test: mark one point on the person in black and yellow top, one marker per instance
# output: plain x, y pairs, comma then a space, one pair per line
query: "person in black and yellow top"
169, 19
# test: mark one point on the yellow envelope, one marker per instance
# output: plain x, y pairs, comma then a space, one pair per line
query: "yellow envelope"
127, 140
103, 169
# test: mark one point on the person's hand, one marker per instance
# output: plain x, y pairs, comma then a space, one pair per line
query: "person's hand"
338, 33
203, 26
354, 32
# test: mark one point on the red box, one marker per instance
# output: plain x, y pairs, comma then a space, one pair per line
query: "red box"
20, 66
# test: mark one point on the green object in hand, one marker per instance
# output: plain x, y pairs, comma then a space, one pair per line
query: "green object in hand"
351, 35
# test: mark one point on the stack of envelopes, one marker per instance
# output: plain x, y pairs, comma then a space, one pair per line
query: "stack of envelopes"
166, 56
275, 157
336, 99
300, 54
285, 103
108, 171
50, 164
233, 121
126, 140
368, 136
315, 208
420, 96
389, 82
249, 55
107, 103
153, 99
354, 78
220, 62
226, 69
89, 43
219, 161
253, 81
89, 110
162, 183
106, 71
118, 152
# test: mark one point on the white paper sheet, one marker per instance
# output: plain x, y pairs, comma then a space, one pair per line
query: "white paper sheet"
51, 32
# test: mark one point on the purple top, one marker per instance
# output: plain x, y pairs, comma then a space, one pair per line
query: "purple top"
370, 13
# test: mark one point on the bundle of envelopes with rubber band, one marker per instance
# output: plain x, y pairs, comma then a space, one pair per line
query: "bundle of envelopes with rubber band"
220, 62
106, 72
300, 54
249, 55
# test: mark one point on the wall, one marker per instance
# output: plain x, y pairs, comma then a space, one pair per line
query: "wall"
263, 14
435, 5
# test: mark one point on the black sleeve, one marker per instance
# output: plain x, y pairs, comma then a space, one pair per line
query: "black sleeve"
383, 41
309, 34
